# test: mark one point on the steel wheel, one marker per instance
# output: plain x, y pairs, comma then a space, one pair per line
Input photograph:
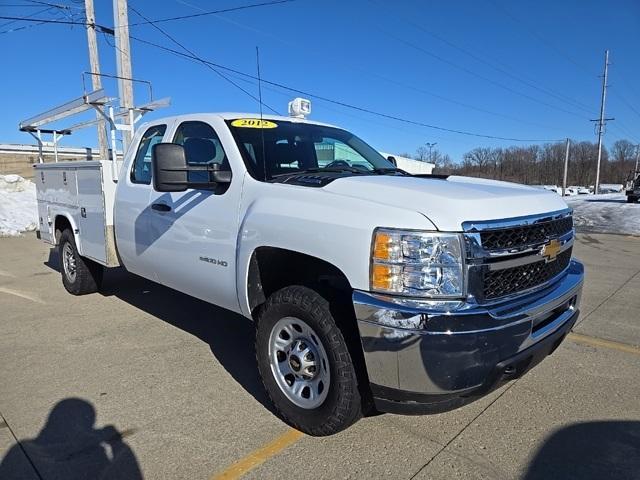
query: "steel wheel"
69, 262
299, 362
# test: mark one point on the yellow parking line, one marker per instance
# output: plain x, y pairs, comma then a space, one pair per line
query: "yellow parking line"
600, 342
259, 456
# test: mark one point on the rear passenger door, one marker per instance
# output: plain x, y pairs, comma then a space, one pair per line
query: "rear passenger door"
132, 212
194, 232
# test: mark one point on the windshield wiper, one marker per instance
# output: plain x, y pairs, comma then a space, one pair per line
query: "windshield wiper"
385, 170
321, 170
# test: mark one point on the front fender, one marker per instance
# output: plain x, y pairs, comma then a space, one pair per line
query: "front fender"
318, 223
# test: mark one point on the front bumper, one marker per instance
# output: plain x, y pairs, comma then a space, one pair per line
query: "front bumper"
421, 358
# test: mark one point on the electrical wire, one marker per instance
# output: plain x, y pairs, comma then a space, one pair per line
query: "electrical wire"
213, 12
384, 78
475, 74
210, 67
499, 68
339, 102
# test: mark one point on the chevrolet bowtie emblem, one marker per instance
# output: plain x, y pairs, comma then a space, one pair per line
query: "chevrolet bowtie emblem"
550, 250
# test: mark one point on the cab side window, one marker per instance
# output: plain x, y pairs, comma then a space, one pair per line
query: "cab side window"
141, 171
201, 147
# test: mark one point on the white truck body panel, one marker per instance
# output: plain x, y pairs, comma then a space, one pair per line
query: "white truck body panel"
448, 203
78, 192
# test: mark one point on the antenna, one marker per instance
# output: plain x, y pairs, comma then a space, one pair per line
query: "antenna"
264, 159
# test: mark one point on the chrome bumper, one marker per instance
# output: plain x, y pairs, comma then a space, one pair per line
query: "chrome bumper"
428, 351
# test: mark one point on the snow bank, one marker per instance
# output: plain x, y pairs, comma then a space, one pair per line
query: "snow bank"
18, 207
609, 213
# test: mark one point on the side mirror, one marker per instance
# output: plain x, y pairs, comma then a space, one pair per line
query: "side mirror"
392, 160
219, 176
169, 167
170, 170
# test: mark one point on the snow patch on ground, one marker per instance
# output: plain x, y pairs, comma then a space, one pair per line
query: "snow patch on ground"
608, 213
18, 207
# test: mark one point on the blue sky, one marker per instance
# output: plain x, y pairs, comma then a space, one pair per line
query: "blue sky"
526, 69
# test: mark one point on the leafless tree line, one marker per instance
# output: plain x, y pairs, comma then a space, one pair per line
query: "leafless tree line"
539, 164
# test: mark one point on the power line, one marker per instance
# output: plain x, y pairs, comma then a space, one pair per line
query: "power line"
384, 78
499, 68
28, 16
338, 102
212, 12
44, 20
220, 74
541, 39
475, 74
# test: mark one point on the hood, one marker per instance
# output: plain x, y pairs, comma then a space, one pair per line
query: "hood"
448, 203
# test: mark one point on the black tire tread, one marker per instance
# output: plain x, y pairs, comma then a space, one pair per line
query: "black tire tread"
348, 407
88, 273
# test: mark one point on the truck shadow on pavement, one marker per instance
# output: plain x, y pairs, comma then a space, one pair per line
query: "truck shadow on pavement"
589, 451
70, 447
229, 335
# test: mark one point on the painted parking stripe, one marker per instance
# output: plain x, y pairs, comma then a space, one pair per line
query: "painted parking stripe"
600, 342
24, 295
259, 456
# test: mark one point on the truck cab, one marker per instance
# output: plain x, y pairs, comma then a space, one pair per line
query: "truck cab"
370, 288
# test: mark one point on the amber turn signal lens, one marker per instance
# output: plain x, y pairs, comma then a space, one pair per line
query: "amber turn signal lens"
382, 246
381, 277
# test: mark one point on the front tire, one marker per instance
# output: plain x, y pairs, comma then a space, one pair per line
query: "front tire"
79, 275
305, 363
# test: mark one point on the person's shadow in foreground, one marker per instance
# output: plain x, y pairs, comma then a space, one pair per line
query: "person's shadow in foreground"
69, 447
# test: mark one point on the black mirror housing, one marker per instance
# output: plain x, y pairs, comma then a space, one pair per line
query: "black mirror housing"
170, 170
169, 167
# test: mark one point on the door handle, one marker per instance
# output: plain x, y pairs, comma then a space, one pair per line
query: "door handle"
161, 207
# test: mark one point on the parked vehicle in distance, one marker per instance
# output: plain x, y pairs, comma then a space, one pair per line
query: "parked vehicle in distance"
570, 191
370, 288
579, 190
632, 187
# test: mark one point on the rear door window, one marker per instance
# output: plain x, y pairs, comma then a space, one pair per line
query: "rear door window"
141, 171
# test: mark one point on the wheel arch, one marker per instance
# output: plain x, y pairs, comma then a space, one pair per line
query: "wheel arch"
267, 274
61, 222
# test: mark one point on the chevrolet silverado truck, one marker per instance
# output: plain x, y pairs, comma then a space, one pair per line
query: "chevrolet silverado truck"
371, 289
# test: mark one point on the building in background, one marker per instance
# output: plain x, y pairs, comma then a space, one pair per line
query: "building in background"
410, 165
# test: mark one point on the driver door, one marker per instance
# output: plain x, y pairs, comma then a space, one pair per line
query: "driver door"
195, 231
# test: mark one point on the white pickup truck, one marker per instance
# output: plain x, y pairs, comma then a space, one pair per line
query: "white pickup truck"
371, 289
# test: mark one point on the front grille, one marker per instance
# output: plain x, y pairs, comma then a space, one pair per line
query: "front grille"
523, 235
499, 283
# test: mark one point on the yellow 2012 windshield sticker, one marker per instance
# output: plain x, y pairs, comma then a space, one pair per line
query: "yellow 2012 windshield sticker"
253, 123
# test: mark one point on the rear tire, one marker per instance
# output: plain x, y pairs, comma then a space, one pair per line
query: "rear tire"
300, 348
79, 275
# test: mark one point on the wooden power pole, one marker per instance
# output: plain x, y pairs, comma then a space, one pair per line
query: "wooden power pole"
602, 120
123, 62
96, 80
566, 167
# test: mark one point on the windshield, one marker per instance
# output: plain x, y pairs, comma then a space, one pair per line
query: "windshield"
291, 147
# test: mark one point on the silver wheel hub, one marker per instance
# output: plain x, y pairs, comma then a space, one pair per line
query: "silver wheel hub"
69, 262
299, 362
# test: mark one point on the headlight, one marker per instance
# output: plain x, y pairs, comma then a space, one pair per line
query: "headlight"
419, 264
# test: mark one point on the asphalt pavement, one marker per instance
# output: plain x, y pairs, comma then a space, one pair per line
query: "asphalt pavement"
140, 381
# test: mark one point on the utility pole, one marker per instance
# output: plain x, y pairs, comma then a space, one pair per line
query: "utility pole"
566, 167
123, 63
431, 145
96, 81
602, 120
637, 158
